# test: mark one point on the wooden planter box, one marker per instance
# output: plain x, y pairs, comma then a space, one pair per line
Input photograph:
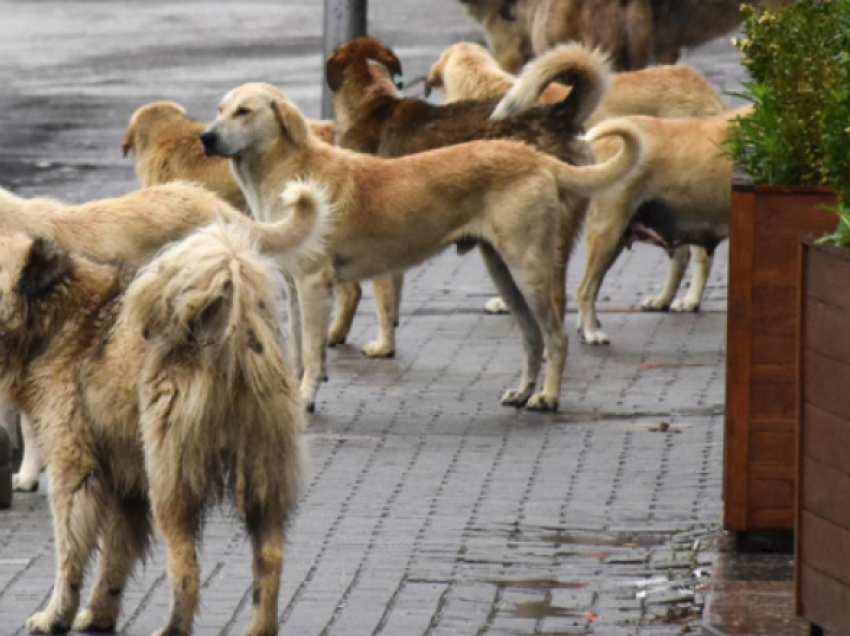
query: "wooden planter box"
766, 225
823, 505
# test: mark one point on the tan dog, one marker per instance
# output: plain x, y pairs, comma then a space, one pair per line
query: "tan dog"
127, 230
164, 142
390, 214
506, 38
679, 196
158, 397
468, 71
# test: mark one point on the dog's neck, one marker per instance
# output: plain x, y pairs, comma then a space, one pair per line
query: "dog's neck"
478, 79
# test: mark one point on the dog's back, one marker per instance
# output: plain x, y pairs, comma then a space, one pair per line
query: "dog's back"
216, 398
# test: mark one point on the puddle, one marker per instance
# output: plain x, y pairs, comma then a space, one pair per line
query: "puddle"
539, 610
538, 584
623, 540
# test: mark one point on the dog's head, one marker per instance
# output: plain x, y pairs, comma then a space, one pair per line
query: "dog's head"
145, 119
455, 63
251, 118
350, 62
31, 271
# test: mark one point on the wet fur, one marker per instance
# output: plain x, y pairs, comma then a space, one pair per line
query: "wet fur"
154, 398
373, 117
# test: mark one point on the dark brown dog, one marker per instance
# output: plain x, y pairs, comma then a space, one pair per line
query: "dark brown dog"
373, 117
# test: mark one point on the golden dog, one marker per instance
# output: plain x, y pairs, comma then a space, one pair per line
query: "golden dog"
158, 395
390, 214
467, 71
164, 142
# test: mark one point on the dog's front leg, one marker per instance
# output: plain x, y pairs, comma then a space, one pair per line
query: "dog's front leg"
315, 289
678, 263
703, 260
26, 480
387, 298
78, 502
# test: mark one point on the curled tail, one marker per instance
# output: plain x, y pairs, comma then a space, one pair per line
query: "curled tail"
590, 180
216, 394
588, 72
305, 225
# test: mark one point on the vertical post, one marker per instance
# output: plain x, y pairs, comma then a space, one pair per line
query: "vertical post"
344, 19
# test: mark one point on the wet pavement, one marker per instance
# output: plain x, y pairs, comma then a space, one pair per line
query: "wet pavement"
429, 508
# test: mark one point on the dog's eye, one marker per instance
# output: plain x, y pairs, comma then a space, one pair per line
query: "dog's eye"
241, 112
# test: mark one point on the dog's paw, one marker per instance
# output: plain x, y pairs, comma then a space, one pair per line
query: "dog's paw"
541, 402
516, 397
337, 337
86, 621
378, 349
655, 303
24, 483
685, 305
496, 306
260, 630
597, 337
44, 623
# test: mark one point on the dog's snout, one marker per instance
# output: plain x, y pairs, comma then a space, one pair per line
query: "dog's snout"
209, 138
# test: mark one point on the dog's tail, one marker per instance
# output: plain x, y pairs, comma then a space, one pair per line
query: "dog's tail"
588, 72
218, 404
304, 228
593, 179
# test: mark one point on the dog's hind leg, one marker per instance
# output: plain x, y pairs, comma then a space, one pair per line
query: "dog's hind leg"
26, 480
675, 272
124, 540
78, 500
267, 540
703, 260
605, 240
532, 337
178, 519
314, 291
347, 299
387, 291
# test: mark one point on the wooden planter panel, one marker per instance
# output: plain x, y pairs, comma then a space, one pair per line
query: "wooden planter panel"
823, 505
766, 226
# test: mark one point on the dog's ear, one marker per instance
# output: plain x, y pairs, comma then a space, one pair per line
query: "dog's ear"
290, 120
129, 140
47, 265
334, 70
386, 57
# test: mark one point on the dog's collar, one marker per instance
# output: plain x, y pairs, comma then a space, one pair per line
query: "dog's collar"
398, 80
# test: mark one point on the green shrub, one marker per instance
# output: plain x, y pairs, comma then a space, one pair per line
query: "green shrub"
798, 59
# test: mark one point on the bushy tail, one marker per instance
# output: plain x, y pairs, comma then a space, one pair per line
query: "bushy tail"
216, 368
304, 228
590, 180
588, 72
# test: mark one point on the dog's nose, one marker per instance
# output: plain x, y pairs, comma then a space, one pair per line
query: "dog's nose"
209, 139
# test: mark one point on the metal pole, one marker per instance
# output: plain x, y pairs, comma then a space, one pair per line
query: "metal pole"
344, 19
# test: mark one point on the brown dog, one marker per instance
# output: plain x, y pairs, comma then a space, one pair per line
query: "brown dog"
161, 395
468, 71
373, 117
635, 33
391, 214
164, 142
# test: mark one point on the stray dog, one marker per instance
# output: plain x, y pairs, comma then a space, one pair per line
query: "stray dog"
467, 71
678, 196
507, 39
391, 214
158, 395
164, 142
372, 116
635, 32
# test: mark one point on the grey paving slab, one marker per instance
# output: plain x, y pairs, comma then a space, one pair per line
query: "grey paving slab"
429, 509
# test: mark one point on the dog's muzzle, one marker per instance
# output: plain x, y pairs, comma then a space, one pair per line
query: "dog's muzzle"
210, 140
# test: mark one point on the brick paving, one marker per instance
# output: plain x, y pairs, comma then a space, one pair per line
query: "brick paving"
430, 509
